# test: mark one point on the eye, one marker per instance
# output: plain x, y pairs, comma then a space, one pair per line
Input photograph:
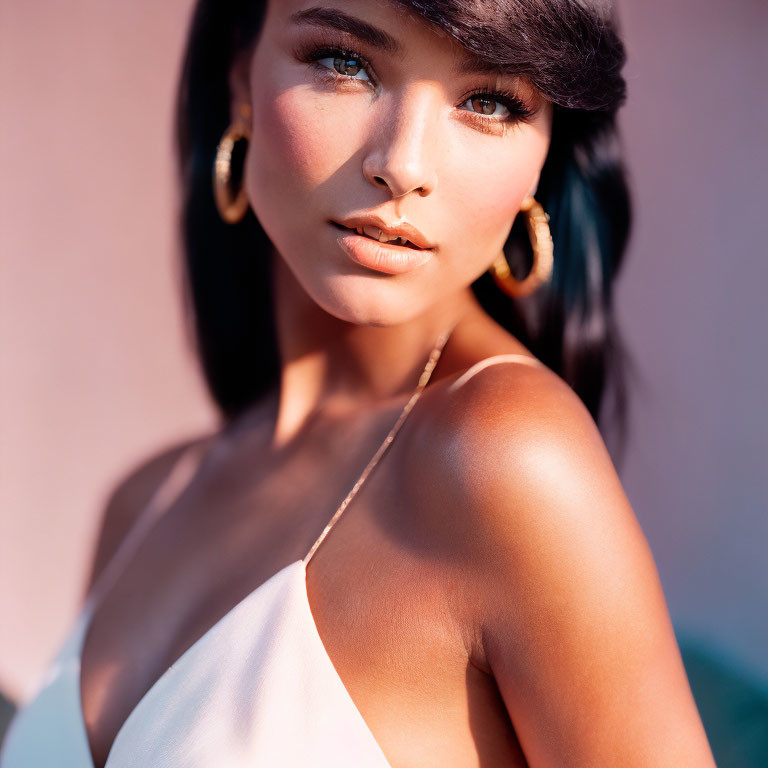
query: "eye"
345, 64
489, 108
485, 104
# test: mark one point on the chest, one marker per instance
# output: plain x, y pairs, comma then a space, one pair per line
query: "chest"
380, 607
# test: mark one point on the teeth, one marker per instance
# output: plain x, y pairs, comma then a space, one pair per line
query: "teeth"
382, 237
376, 234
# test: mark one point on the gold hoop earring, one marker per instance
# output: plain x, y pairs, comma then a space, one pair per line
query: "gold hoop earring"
231, 207
537, 224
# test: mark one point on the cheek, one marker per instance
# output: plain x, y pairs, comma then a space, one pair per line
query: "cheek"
300, 140
494, 180
286, 148
491, 198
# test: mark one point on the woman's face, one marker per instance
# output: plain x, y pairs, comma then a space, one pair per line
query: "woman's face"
363, 111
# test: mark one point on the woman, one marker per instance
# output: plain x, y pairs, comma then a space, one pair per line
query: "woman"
489, 598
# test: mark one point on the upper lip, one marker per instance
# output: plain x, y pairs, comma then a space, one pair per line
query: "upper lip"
402, 228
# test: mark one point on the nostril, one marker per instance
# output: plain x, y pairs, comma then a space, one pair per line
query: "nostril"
379, 180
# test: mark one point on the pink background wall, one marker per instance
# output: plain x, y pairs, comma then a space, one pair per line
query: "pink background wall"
96, 368
693, 304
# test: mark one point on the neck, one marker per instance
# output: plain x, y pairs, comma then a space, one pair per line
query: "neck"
330, 365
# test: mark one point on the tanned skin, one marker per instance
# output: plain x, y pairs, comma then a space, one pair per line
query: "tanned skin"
488, 598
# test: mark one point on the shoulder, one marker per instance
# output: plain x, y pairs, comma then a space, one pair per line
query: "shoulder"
523, 465
558, 584
130, 495
508, 454
507, 432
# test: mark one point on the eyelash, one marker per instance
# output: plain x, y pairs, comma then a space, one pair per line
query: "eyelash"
518, 111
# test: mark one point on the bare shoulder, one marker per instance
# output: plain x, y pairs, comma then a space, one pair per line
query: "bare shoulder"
513, 449
130, 495
557, 578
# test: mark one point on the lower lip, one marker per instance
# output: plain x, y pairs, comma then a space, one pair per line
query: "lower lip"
382, 257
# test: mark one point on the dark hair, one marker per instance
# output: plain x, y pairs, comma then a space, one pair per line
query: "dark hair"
571, 51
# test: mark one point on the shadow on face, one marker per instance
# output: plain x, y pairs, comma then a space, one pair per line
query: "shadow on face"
363, 112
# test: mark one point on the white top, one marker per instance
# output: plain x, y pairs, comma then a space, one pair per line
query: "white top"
257, 689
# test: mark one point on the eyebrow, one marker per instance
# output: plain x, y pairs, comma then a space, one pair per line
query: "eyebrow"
466, 63
470, 64
332, 17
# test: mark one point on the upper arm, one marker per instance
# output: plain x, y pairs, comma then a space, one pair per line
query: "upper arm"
567, 599
127, 499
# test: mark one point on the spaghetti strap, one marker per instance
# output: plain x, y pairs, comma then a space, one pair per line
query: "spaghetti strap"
423, 379
176, 481
431, 363
495, 359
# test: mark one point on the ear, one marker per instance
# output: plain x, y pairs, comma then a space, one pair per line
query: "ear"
239, 84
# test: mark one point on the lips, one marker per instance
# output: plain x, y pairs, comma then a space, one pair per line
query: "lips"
372, 225
389, 258
379, 236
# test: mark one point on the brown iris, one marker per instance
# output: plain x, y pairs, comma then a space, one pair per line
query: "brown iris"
346, 66
483, 105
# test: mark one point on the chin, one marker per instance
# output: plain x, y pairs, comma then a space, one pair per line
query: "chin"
352, 294
365, 301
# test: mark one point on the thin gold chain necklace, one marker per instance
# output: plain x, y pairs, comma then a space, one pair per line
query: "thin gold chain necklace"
434, 356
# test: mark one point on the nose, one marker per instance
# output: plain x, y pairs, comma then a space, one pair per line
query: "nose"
400, 156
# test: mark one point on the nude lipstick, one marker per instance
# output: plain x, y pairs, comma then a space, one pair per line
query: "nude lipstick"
369, 241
